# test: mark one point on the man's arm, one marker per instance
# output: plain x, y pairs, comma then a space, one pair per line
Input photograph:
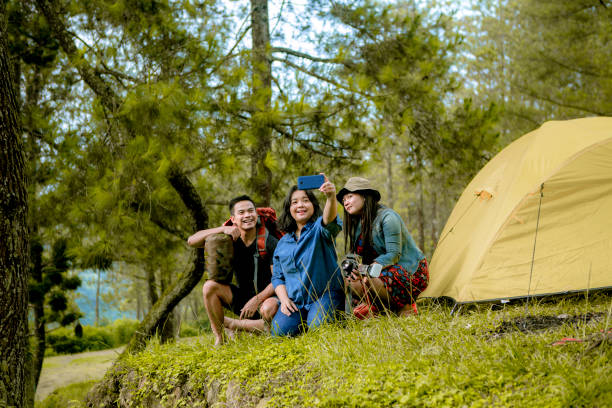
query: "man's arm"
250, 307
197, 240
267, 292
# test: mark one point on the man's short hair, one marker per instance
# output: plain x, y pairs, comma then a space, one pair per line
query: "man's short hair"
235, 200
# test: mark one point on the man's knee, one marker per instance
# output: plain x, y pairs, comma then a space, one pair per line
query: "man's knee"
268, 309
212, 289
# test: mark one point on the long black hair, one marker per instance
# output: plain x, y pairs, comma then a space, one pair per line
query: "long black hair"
370, 208
286, 223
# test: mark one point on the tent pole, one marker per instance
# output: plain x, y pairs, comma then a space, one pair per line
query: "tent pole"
534, 247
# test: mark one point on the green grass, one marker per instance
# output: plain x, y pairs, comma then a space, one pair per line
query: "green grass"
90, 360
430, 360
71, 396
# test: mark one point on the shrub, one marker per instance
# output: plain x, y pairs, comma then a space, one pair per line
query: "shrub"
63, 340
188, 330
123, 330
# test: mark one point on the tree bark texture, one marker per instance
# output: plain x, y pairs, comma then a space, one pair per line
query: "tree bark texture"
261, 175
151, 287
176, 177
14, 247
167, 327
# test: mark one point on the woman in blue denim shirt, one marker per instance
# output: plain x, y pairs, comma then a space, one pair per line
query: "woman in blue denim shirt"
379, 235
305, 276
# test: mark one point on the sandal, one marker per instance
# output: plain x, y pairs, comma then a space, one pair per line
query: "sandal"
365, 311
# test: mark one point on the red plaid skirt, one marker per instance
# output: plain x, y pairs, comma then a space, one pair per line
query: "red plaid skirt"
404, 287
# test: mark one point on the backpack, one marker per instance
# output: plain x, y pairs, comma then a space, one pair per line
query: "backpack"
266, 224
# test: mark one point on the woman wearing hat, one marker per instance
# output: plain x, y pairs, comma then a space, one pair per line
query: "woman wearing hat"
379, 235
305, 275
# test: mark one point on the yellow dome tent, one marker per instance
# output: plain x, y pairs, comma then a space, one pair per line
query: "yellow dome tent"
536, 220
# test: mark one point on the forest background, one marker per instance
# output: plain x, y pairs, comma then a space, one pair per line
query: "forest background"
139, 119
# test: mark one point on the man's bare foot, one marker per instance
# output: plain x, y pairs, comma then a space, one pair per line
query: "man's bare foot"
230, 326
231, 334
230, 323
228, 334
219, 341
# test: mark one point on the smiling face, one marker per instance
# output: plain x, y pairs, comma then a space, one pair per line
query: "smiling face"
353, 203
301, 208
244, 215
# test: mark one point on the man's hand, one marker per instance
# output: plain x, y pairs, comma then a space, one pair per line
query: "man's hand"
249, 309
288, 307
232, 231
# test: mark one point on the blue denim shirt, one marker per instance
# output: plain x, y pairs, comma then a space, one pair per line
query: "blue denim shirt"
308, 267
393, 242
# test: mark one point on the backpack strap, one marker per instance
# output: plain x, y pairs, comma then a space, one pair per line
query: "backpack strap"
262, 235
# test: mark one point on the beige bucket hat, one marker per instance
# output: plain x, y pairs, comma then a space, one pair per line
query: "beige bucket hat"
356, 185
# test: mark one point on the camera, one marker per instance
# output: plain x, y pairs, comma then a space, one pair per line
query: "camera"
349, 264
352, 262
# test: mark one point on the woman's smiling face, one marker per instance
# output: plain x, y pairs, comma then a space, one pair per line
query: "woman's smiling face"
353, 203
301, 208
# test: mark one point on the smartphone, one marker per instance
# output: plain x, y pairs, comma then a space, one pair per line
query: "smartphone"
310, 182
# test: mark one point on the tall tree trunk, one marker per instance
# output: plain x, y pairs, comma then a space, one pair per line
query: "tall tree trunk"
389, 160
14, 246
175, 176
167, 327
98, 297
151, 287
138, 305
38, 303
261, 175
420, 201
34, 87
434, 220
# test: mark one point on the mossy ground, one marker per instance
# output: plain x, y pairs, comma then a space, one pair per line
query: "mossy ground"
430, 360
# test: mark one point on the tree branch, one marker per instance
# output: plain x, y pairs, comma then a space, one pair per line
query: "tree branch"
61, 33
306, 144
299, 54
320, 77
572, 69
532, 94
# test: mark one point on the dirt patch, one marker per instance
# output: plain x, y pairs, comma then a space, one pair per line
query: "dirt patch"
530, 324
60, 371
